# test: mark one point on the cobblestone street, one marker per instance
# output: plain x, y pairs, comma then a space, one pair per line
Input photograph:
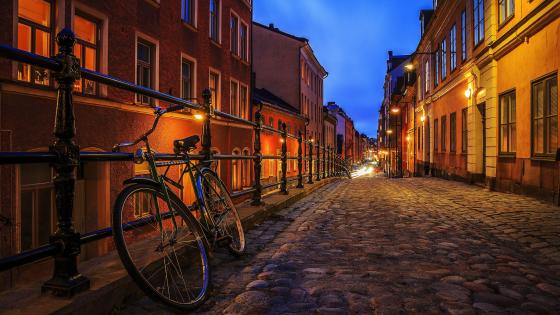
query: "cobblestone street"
393, 246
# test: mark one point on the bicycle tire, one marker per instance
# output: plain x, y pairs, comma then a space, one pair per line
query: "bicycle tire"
139, 276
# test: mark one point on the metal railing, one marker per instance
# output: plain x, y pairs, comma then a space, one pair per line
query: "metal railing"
64, 157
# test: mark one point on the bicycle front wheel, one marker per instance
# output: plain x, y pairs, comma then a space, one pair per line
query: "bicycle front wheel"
221, 211
167, 261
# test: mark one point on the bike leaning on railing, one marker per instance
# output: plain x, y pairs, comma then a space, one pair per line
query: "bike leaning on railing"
162, 245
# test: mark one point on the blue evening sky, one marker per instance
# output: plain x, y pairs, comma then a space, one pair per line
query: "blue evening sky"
351, 39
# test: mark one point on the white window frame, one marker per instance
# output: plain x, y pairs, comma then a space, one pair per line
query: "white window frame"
219, 23
195, 14
217, 106
234, 110
155, 43
193, 73
232, 14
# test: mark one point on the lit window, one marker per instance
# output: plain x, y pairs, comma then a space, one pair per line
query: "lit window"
215, 20
506, 9
234, 98
144, 69
507, 122
214, 83
34, 35
86, 49
234, 35
545, 116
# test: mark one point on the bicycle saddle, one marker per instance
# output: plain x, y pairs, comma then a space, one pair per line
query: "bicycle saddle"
186, 144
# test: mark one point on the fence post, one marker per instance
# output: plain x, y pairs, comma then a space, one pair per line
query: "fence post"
284, 160
300, 161
324, 162
310, 180
206, 126
318, 174
257, 195
66, 280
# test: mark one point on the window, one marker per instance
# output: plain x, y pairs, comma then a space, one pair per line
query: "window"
86, 49
545, 116
34, 35
234, 98
419, 138
215, 20
144, 69
436, 67
187, 80
246, 171
271, 122
478, 10
436, 135
463, 35
243, 101
234, 34
236, 172
214, 84
453, 132
443, 133
188, 11
464, 130
443, 60
506, 10
244, 48
507, 122
453, 47
36, 205
427, 76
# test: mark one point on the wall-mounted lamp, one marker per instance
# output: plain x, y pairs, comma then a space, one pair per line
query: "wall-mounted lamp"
422, 118
389, 131
409, 67
395, 110
198, 116
468, 93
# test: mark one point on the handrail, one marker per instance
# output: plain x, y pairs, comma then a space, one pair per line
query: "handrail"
65, 244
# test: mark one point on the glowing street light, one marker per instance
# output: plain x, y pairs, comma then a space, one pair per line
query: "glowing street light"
198, 116
422, 118
468, 93
409, 67
395, 110
389, 131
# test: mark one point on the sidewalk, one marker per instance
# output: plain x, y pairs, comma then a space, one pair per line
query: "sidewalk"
110, 284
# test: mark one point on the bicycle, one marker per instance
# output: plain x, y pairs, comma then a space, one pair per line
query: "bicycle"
160, 242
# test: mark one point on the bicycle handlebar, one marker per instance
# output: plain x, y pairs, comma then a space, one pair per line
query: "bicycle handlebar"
159, 112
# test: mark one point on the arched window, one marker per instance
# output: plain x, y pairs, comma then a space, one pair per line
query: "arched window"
236, 172
246, 170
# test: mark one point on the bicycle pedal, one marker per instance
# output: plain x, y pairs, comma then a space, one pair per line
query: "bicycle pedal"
224, 240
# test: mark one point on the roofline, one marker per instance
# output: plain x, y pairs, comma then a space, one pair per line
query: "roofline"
278, 31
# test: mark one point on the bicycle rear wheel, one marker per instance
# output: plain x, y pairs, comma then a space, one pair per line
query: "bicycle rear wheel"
170, 266
221, 211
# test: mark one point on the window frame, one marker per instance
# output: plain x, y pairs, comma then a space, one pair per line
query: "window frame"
234, 36
508, 7
507, 94
436, 68
436, 135
443, 133
545, 155
443, 47
217, 36
244, 48
85, 44
218, 95
464, 41
51, 45
140, 40
193, 8
234, 110
192, 61
478, 22
453, 48
464, 130
453, 132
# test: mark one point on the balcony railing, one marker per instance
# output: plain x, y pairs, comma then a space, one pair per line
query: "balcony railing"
64, 157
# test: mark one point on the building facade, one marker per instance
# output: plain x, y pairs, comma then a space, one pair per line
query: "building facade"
487, 94
178, 47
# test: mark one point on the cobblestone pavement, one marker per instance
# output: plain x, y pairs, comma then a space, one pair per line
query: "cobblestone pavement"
395, 246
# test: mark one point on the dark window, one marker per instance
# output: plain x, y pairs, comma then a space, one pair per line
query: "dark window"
214, 83
436, 135
464, 130
215, 20
453, 132
188, 11
86, 49
34, 36
443, 60
545, 116
234, 34
144, 69
187, 80
478, 16
243, 41
507, 123
443, 133
507, 9
436, 64
464, 35
453, 47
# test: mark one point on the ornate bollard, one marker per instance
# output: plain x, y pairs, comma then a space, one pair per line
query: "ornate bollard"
257, 195
310, 180
300, 161
324, 162
318, 174
66, 280
284, 160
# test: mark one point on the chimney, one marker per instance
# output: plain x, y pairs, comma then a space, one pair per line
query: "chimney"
271, 26
390, 54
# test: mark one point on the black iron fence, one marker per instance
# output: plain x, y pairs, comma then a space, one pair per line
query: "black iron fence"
64, 157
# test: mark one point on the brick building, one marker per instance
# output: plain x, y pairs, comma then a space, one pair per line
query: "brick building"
178, 47
286, 66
